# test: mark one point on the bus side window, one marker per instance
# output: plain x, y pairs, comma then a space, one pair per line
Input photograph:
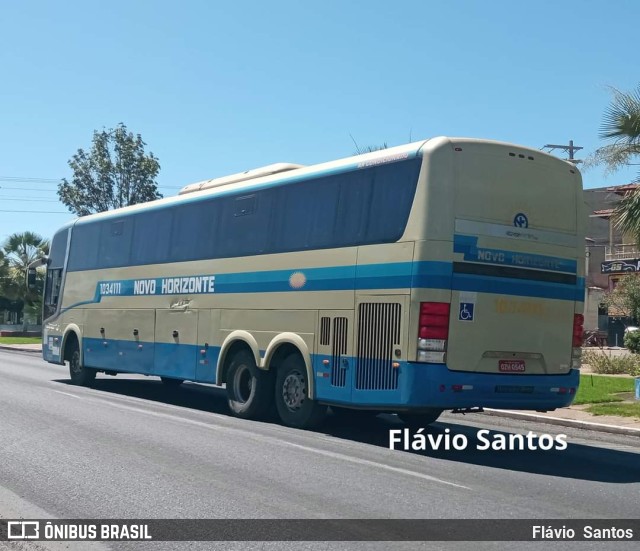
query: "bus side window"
194, 231
305, 215
151, 237
52, 291
245, 225
115, 243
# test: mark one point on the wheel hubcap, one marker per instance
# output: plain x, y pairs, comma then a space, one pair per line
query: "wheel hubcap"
294, 391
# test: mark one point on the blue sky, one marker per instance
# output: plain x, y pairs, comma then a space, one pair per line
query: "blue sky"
220, 87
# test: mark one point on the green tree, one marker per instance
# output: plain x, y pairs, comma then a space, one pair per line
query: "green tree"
624, 300
115, 173
621, 127
18, 251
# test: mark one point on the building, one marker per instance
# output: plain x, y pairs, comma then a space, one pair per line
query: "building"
610, 255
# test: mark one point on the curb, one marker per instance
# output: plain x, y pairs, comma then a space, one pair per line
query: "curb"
574, 423
17, 348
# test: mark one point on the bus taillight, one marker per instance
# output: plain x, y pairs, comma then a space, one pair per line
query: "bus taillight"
578, 329
433, 331
576, 350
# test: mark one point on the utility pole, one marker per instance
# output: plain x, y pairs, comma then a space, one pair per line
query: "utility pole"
570, 149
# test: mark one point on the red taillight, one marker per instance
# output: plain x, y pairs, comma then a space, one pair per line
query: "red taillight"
578, 330
434, 320
439, 308
433, 331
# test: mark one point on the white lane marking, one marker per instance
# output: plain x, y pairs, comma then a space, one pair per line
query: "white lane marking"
66, 393
375, 464
278, 441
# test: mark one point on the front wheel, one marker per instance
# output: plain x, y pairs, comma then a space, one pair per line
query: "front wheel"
79, 374
295, 408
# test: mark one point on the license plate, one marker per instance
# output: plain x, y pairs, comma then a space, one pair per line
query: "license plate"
511, 366
511, 389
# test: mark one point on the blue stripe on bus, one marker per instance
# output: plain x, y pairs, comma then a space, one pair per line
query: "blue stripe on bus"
468, 245
505, 286
398, 275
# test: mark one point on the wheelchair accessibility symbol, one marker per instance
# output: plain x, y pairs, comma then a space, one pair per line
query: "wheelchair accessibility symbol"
466, 311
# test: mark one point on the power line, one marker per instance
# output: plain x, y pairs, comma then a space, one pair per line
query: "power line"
46, 181
28, 189
38, 211
570, 149
30, 180
31, 200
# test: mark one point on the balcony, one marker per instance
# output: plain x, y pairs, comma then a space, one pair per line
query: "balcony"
621, 252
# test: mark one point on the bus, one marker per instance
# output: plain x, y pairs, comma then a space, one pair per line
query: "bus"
446, 274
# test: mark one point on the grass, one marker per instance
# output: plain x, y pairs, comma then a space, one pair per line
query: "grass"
624, 410
596, 389
20, 340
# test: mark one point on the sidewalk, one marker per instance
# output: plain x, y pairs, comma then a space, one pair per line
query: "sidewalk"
573, 416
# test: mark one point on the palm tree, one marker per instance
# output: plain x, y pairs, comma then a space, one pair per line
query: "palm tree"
18, 251
621, 126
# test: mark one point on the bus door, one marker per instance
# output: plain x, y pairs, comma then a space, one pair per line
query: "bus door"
176, 343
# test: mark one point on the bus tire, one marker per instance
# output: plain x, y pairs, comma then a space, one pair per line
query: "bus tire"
295, 408
249, 389
170, 382
78, 373
421, 419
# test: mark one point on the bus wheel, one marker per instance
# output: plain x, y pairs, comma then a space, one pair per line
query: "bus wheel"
295, 408
170, 382
421, 419
79, 374
249, 389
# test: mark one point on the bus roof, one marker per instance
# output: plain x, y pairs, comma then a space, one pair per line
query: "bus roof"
228, 185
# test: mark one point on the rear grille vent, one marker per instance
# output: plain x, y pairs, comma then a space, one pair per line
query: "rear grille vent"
325, 325
378, 332
339, 349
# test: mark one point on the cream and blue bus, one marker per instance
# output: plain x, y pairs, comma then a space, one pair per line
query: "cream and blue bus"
445, 274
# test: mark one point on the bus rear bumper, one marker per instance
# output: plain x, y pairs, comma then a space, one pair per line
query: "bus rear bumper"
440, 387
422, 385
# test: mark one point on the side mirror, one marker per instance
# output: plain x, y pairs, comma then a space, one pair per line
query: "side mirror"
31, 278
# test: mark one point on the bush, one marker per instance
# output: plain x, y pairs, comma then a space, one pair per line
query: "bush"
632, 341
604, 364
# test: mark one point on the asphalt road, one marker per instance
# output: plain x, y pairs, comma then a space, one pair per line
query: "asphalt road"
130, 448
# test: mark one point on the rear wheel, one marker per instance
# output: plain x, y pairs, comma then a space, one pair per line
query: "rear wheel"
421, 419
295, 408
249, 389
169, 382
79, 374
